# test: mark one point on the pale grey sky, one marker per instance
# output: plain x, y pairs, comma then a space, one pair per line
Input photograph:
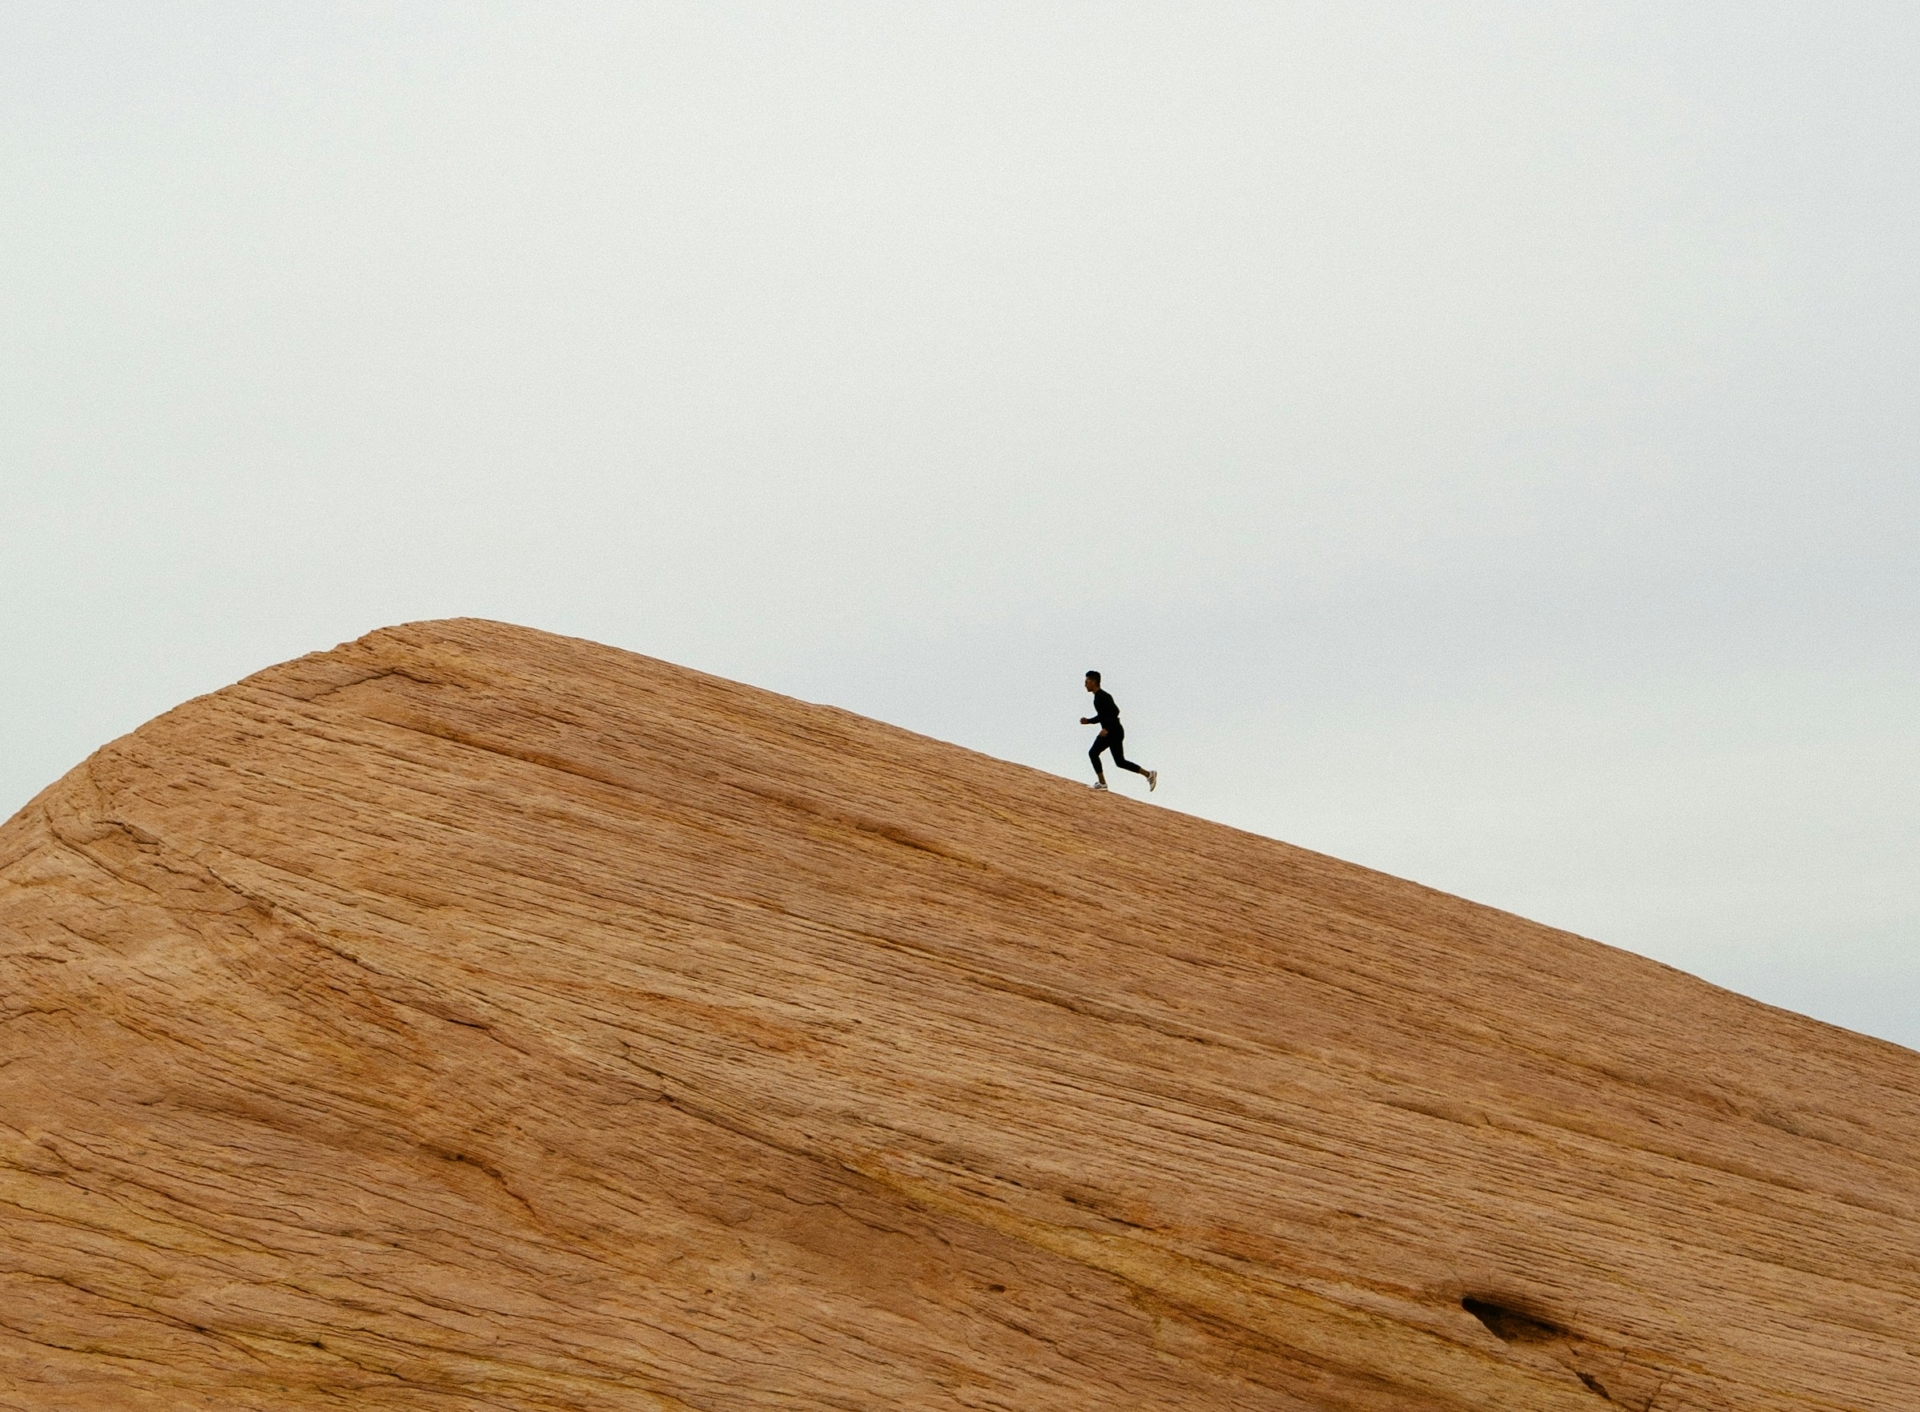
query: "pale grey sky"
1477, 440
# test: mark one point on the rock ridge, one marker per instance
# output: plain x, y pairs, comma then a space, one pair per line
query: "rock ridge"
470, 1017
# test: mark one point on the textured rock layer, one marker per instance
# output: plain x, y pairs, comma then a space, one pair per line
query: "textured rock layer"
470, 1018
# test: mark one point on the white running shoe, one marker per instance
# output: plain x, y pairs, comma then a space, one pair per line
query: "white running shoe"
1153, 780
1100, 784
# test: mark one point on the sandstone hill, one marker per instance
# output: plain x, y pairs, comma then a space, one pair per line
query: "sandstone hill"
473, 1018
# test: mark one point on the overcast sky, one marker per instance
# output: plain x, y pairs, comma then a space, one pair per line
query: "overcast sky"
1476, 440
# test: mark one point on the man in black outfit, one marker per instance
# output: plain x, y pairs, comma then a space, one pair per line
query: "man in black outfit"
1112, 737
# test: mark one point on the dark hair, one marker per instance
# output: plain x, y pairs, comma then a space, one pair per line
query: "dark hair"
1095, 677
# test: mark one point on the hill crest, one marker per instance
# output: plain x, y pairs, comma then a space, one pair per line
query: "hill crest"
469, 1016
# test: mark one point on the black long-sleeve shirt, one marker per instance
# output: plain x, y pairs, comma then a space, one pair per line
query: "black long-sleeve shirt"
1107, 712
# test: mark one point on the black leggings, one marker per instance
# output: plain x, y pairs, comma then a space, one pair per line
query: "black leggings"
1113, 741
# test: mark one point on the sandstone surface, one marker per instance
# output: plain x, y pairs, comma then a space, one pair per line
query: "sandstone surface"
473, 1018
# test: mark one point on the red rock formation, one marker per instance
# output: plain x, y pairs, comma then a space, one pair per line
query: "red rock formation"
471, 1018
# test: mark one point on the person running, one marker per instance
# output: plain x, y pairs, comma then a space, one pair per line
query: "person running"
1112, 737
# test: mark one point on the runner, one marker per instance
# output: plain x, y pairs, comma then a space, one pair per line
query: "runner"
1112, 737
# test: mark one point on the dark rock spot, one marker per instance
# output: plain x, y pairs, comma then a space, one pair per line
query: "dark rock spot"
1512, 1325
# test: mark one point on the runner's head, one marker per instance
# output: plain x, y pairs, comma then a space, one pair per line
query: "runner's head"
1093, 681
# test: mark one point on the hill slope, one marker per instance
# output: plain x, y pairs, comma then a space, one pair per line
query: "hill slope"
470, 1017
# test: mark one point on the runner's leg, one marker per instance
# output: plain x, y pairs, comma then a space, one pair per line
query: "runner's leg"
1116, 742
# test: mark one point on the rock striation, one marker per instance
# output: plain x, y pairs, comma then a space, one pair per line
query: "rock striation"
474, 1018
